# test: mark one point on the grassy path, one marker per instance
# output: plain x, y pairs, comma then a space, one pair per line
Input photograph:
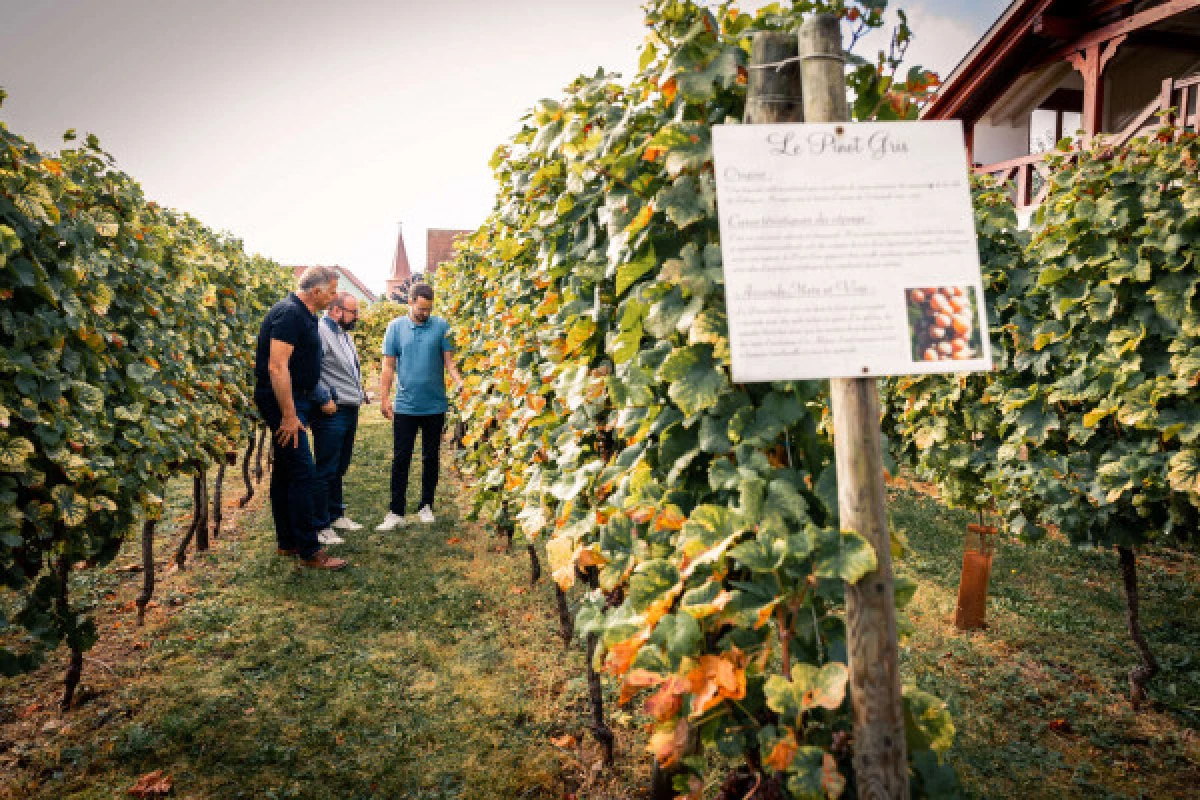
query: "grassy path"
1040, 698
431, 670
427, 670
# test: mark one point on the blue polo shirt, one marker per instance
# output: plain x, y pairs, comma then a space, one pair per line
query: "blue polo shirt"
420, 364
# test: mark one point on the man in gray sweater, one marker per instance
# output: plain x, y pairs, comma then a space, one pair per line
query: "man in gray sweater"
334, 429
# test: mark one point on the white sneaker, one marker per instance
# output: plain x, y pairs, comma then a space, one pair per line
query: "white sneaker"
346, 524
327, 536
425, 515
392, 520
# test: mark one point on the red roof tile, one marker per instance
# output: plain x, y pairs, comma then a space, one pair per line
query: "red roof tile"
439, 247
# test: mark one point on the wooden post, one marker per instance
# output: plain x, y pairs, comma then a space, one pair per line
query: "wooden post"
880, 754
773, 91
1091, 63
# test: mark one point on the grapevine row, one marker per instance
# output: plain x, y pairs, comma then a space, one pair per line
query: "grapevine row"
126, 331
1089, 424
696, 517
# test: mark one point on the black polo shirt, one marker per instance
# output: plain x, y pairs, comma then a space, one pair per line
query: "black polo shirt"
290, 322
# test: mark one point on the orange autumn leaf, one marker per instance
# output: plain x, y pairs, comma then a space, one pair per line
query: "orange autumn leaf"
669, 519
668, 700
621, 655
536, 401
764, 614
642, 514
603, 515
641, 219
714, 679
743, 76
566, 741
782, 753
152, 784
635, 681
549, 304
669, 90
654, 153
591, 557
454, 540
53, 167
832, 781
660, 607
668, 745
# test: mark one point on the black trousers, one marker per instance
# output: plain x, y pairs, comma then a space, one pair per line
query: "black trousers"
404, 439
293, 480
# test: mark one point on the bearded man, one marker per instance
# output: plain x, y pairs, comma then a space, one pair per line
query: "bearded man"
334, 429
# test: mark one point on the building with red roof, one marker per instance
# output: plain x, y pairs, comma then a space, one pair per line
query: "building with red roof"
439, 248
1048, 69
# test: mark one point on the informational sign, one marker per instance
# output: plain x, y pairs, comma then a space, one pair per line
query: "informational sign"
849, 250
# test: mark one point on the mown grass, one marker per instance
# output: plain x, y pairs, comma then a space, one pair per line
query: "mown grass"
426, 670
431, 670
1040, 697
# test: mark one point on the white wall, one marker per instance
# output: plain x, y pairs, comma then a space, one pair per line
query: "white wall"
1134, 79
994, 143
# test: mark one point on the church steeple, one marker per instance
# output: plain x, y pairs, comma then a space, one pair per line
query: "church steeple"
401, 271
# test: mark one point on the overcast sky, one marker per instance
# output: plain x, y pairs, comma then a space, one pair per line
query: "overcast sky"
311, 128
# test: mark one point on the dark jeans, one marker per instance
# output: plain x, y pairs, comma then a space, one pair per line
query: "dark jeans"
333, 442
293, 481
404, 438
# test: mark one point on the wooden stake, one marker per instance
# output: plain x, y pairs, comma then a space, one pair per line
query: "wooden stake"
880, 754
143, 599
773, 91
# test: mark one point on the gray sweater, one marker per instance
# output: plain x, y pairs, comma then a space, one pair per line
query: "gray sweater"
340, 372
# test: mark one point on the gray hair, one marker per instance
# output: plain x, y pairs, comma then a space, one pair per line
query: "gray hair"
315, 277
340, 300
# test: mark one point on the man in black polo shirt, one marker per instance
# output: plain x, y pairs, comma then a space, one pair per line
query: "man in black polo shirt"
287, 367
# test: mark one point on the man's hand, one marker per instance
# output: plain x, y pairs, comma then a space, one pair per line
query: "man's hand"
330, 407
289, 431
387, 410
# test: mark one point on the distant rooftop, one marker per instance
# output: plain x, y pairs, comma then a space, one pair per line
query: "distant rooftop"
348, 282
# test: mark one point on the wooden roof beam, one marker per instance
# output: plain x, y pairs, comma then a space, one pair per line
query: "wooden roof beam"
1167, 40
1060, 28
1101, 8
975, 70
1137, 22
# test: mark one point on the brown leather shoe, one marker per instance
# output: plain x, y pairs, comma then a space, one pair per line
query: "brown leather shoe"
286, 551
322, 560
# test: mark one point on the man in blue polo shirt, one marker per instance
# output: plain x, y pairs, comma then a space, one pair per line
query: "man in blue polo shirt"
287, 367
419, 351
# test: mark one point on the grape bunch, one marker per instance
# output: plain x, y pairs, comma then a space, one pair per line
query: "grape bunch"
942, 324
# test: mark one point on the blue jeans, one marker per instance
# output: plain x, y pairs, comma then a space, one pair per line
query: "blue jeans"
333, 441
293, 480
